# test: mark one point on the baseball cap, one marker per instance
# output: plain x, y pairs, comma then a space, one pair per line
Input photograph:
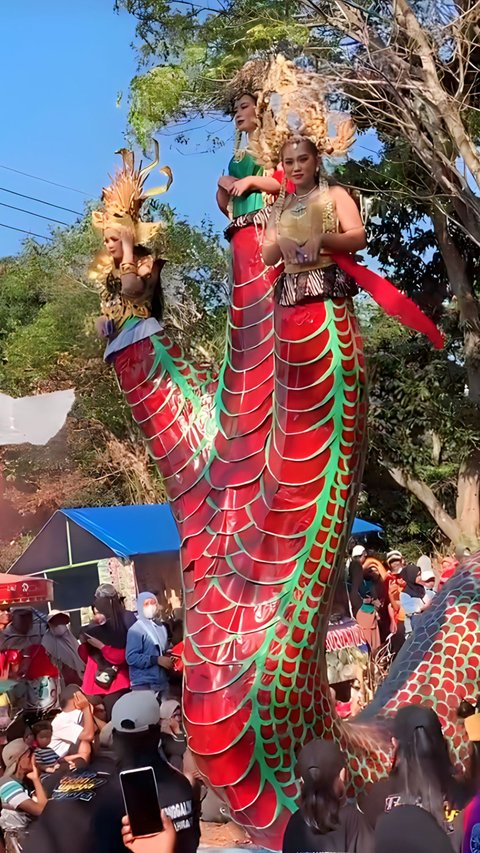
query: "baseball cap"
135, 712
12, 754
358, 551
320, 759
394, 555
412, 717
54, 613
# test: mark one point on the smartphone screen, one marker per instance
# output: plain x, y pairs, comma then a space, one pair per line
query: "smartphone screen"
141, 801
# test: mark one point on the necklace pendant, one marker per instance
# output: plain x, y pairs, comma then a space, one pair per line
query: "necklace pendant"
299, 209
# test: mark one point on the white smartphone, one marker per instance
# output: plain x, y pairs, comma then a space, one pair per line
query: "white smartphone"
140, 795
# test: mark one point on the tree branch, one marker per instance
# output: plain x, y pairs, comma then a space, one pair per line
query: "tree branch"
425, 495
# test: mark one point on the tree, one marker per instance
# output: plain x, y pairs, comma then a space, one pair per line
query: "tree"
47, 309
410, 71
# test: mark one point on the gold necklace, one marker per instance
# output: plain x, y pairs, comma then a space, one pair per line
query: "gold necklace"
300, 208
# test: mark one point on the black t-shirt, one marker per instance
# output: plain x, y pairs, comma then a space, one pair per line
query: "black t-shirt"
386, 795
79, 826
352, 835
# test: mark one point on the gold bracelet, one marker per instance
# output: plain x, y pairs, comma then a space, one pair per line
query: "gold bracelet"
128, 268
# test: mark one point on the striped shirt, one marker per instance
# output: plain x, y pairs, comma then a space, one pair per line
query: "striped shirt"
46, 756
12, 794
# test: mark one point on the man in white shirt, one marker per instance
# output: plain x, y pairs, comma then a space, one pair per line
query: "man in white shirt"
73, 729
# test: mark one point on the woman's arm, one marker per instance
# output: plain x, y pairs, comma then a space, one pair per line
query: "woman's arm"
135, 285
351, 237
255, 184
271, 253
223, 197
135, 655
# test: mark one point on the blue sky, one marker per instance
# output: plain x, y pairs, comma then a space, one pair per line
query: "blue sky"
62, 65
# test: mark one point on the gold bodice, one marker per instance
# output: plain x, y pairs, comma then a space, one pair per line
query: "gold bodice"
118, 307
303, 219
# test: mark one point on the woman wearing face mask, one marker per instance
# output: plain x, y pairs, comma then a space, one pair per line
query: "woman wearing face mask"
62, 648
147, 643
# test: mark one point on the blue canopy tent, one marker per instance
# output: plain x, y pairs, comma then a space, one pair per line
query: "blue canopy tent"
69, 546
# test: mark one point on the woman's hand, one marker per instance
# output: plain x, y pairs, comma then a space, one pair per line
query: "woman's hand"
165, 661
161, 842
241, 187
289, 250
310, 251
226, 182
80, 701
104, 327
128, 243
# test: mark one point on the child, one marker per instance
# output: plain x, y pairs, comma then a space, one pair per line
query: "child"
46, 758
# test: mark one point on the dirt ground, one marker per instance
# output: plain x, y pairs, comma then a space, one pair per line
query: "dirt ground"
222, 835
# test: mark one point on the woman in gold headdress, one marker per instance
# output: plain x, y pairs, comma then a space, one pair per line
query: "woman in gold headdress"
127, 270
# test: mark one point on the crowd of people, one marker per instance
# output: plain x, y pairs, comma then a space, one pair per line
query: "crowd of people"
119, 708
386, 597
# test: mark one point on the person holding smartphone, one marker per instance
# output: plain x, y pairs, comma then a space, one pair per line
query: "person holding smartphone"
136, 736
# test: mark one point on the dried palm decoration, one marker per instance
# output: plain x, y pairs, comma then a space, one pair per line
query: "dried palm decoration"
290, 106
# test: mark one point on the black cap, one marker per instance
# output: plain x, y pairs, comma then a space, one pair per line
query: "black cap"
320, 760
412, 717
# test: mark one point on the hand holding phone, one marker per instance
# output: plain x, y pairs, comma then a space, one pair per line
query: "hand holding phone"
140, 796
160, 842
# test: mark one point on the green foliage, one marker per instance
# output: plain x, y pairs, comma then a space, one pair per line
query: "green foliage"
155, 96
47, 311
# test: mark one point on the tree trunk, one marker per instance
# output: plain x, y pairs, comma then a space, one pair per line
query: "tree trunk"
468, 305
448, 525
468, 499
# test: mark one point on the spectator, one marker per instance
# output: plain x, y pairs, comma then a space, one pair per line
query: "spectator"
409, 829
25, 629
395, 584
146, 647
422, 772
103, 649
18, 807
174, 742
73, 730
46, 759
449, 565
364, 597
136, 735
324, 821
412, 597
427, 578
62, 648
162, 842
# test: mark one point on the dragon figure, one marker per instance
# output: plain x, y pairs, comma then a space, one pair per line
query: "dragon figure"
262, 465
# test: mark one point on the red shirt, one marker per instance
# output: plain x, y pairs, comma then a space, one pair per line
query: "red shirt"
113, 656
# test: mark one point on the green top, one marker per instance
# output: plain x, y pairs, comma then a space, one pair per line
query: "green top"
245, 168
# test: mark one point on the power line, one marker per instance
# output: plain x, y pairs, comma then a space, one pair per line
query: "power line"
41, 201
45, 181
22, 231
31, 213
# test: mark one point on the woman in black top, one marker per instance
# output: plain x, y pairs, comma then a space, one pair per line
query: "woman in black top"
422, 773
324, 822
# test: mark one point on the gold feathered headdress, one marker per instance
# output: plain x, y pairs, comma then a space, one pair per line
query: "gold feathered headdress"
123, 201
291, 104
248, 80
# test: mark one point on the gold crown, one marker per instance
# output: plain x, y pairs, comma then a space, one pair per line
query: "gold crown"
291, 104
124, 198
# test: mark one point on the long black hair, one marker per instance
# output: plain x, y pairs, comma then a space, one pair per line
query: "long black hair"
422, 763
320, 764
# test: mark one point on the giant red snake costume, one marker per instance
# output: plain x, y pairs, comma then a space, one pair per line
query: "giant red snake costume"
262, 467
